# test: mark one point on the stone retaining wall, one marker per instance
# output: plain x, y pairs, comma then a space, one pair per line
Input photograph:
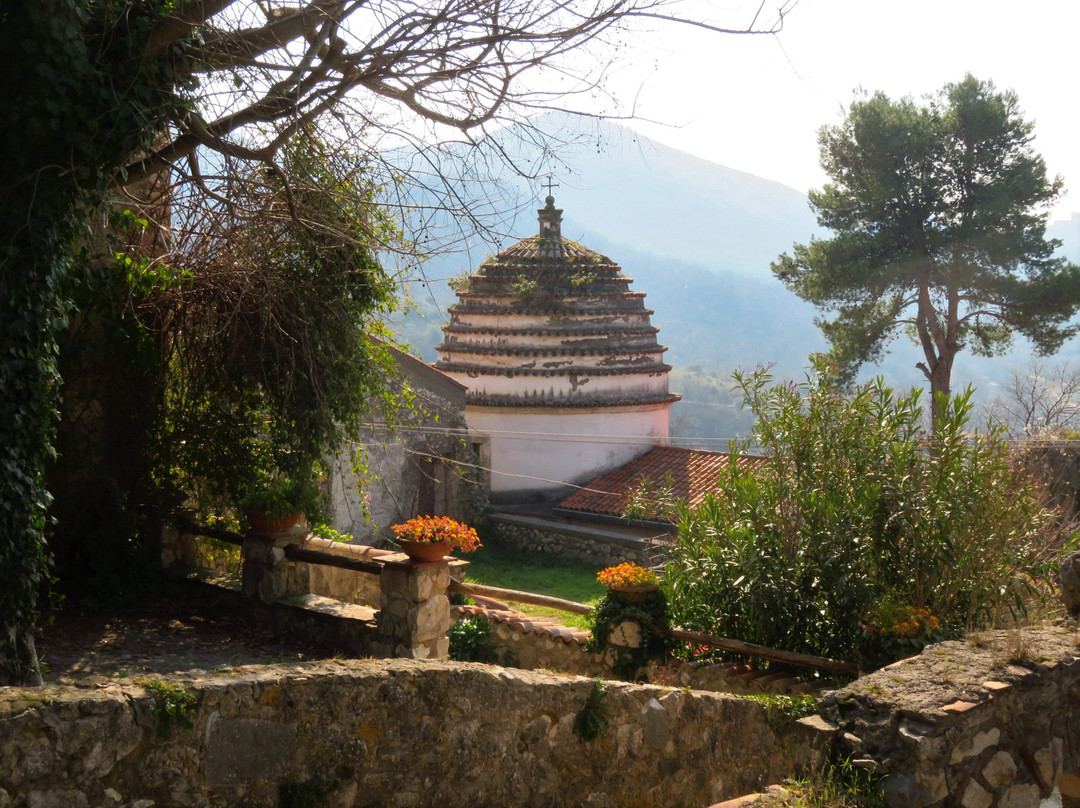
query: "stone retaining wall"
567, 541
994, 721
388, 733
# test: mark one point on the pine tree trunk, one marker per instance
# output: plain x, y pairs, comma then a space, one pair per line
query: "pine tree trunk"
940, 387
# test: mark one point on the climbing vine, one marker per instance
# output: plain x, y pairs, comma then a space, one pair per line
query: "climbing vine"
77, 106
594, 717
650, 611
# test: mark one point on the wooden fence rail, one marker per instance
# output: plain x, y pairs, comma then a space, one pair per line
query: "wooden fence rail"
294, 553
374, 567
775, 654
520, 597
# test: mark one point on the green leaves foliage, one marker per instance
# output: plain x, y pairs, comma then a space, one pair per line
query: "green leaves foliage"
270, 365
470, 641
78, 102
649, 610
938, 214
594, 717
856, 512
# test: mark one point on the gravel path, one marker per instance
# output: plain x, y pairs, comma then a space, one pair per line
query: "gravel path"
190, 628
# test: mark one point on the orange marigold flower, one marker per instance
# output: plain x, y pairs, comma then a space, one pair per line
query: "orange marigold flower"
626, 574
438, 528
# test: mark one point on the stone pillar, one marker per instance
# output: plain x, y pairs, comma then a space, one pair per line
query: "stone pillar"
415, 611
177, 548
267, 575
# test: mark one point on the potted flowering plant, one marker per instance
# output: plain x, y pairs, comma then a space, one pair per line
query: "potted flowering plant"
628, 578
275, 506
429, 538
633, 597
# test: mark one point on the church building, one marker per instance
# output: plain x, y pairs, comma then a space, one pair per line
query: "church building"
565, 378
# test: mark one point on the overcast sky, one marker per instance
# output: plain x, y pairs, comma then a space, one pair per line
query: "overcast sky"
756, 103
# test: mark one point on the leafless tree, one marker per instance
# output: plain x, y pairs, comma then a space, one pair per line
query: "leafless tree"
217, 88
265, 70
390, 73
1039, 400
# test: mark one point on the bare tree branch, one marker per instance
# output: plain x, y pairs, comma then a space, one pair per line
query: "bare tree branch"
458, 63
174, 28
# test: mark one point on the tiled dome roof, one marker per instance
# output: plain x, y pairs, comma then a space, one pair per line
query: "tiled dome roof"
556, 291
542, 248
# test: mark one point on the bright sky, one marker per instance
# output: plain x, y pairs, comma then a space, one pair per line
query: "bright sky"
756, 103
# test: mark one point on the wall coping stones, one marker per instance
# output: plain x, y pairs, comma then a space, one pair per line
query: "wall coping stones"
991, 721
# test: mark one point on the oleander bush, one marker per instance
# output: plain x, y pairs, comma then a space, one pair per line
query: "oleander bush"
862, 532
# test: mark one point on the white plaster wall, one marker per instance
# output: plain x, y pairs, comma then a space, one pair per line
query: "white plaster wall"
554, 340
618, 299
367, 509
537, 448
556, 386
605, 359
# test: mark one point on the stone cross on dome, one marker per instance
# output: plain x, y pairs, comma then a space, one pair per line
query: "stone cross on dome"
550, 216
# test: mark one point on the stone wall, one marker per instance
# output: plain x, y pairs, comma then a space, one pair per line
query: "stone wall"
994, 721
1058, 463
422, 466
535, 643
388, 733
589, 545
346, 585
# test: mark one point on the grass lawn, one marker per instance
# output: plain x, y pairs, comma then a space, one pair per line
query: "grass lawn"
539, 573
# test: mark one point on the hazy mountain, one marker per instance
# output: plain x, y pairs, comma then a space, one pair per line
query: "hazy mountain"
698, 239
632, 191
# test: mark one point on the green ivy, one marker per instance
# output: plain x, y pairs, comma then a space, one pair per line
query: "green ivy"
78, 105
594, 717
650, 612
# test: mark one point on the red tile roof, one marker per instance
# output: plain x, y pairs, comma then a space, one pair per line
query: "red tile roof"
690, 473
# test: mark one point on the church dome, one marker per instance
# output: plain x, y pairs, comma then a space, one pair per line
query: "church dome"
551, 323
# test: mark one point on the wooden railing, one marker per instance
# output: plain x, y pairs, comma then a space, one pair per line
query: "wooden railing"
295, 553
520, 597
723, 643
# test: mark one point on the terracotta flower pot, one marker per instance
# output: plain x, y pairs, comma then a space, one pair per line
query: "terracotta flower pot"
424, 550
271, 527
635, 594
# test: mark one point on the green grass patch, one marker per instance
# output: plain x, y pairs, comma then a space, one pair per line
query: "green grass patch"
539, 573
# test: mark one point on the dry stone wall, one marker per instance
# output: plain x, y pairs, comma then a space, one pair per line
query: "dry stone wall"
590, 546
388, 733
993, 721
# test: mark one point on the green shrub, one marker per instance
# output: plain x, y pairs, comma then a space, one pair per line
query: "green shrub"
173, 705
470, 641
856, 515
594, 717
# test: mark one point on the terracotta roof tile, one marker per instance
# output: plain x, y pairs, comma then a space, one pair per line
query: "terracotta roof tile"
565, 249
691, 474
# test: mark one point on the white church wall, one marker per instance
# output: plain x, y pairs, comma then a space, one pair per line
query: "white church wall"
577, 384
533, 449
